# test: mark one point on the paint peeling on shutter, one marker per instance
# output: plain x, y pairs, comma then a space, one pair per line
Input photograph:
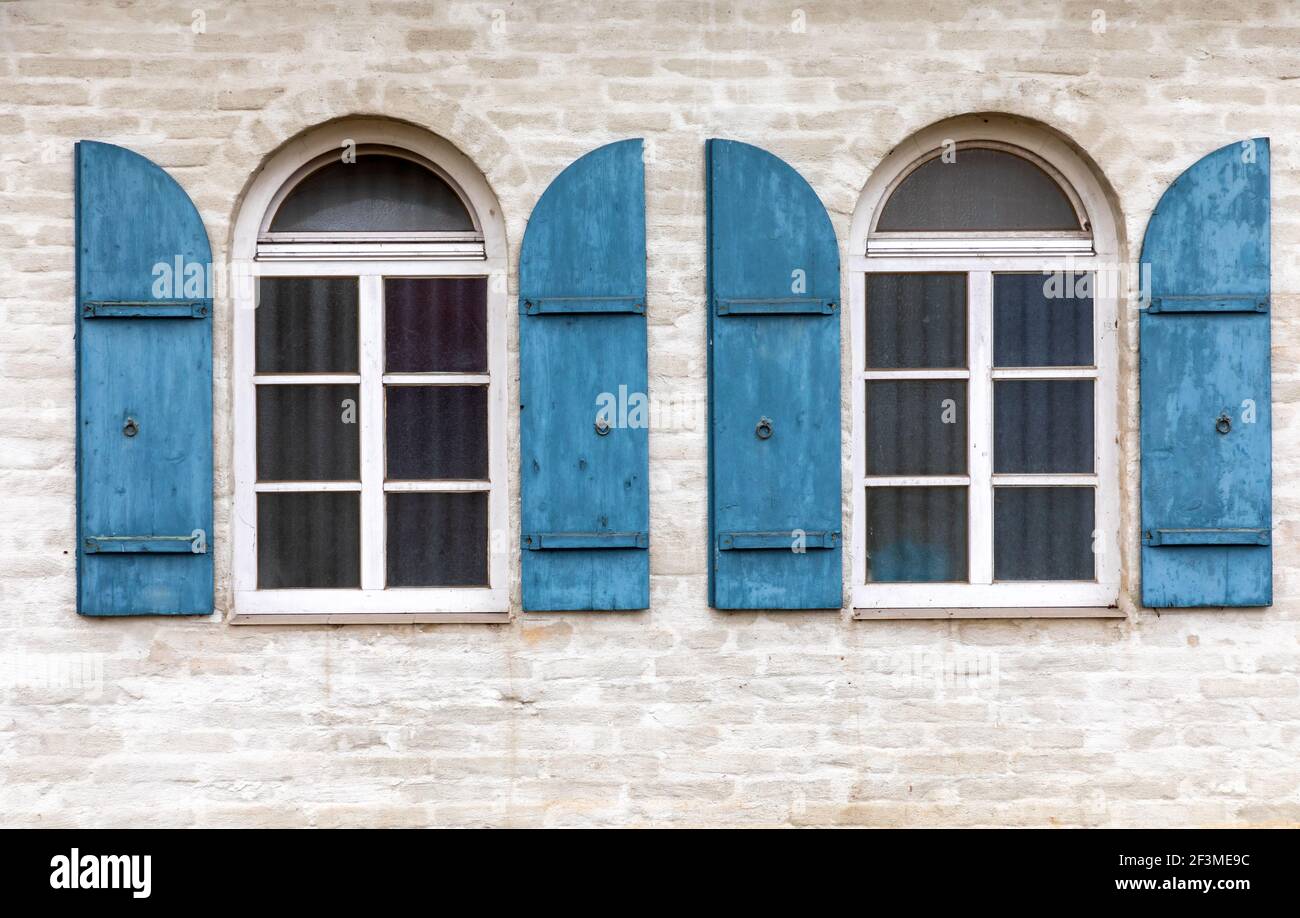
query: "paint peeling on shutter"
144, 390
774, 386
1206, 398
584, 414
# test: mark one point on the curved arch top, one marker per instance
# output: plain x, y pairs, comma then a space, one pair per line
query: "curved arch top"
125, 198
596, 206
304, 152
783, 226
1210, 230
981, 188
1047, 148
381, 191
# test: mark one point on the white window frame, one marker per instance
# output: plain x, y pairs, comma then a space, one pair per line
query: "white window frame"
979, 256
258, 253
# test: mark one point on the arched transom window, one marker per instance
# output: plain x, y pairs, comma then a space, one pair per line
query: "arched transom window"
370, 454
984, 391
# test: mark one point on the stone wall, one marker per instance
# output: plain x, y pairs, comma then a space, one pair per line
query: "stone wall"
680, 714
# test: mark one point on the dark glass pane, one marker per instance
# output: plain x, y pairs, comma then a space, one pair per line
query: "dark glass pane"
435, 324
1042, 320
437, 432
308, 433
309, 540
1043, 533
916, 427
306, 325
980, 189
374, 194
1042, 425
438, 540
916, 320
916, 534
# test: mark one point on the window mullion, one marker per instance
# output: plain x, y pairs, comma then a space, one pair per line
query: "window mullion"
371, 334
980, 424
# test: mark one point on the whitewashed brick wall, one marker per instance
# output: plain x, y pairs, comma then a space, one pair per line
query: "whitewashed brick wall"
680, 714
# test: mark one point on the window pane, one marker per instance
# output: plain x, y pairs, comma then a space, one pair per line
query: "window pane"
916, 427
916, 534
437, 539
309, 540
1043, 533
374, 194
1042, 320
306, 325
435, 324
1042, 425
981, 189
437, 432
308, 433
916, 320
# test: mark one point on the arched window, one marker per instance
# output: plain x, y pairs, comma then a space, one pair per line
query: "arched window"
370, 470
984, 405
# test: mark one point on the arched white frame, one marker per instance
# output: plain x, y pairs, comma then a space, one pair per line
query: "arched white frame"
282, 246
256, 254
1095, 249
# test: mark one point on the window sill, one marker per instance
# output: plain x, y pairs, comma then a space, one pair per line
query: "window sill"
369, 618
376, 607
976, 613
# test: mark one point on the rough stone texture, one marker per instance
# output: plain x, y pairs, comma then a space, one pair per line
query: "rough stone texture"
679, 714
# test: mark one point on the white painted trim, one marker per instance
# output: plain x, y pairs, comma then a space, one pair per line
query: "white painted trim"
487, 604
443, 485
1039, 481
274, 486
916, 481
1007, 253
324, 267
1045, 373
437, 604
297, 252
870, 375
922, 245
915, 614
437, 379
304, 379
979, 426
1011, 595
370, 335
370, 618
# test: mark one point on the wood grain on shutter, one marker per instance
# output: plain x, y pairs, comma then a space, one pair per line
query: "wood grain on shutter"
1206, 400
774, 386
585, 500
144, 390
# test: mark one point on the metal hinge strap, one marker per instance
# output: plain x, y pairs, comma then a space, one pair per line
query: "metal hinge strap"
560, 305
543, 541
146, 309
1207, 537
781, 540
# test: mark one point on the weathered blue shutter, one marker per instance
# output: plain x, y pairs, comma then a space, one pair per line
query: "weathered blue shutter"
583, 413
1206, 430
774, 386
144, 391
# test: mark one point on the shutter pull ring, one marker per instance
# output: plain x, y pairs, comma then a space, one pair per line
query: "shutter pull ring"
130, 428
1223, 424
763, 429
602, 426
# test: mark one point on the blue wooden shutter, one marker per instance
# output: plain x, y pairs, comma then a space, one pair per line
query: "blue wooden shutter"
583, 414
1206, 430
774, 386
144, 391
